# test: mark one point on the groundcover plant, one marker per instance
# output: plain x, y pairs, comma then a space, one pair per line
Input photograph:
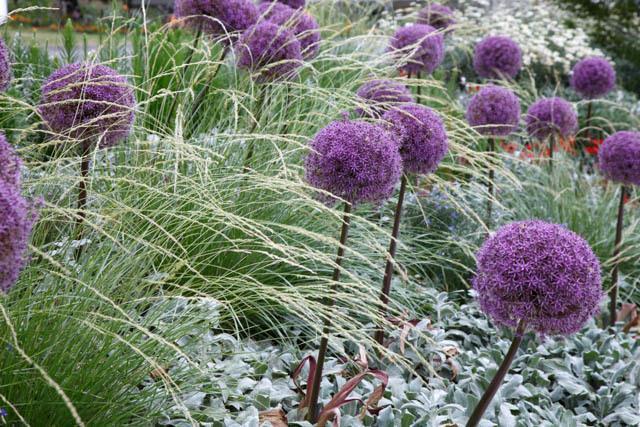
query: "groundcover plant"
249, 213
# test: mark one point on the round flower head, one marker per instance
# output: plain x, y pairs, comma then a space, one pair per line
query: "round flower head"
494, 111
423, 138
541, 273
496, 57
217, 17
270, 51
296, 4
9, 163
5, 66
380, 95
619, 158
593, 77
551, 116
424, 46
436, 15
16, 221
88, 102
356, 161
304, 26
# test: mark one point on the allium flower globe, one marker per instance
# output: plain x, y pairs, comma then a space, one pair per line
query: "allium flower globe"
619, 158
424, 46
304, 26
496, 57
88, 102
550, 116
436, 15
593, 77
296, 4
423, 137
269, 51
217, 17
383, 94
5, 66
494, 111
9, 163
541, 273
356, 161
17, 217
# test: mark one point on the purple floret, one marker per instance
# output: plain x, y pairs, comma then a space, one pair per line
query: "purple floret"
270, 52
423, 45
296, 4
217, 17
593, 77
356, 161
494, 111
5, 66
89, 103
619, 158
422, 135
496, 57
9, 163
541, 273
436, 15
304, 26
17, 217
382, 95
551, 116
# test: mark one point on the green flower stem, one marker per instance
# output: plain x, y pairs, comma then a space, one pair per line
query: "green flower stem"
613, 293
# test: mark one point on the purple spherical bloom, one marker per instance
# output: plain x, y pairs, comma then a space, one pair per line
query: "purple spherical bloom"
540, 273
269, 51
423, 137
424, 46
550, 116
619, 157
88, 102
5, 66
217, 17
356, 161
304, 26
17, 217
296, 4
436, 15
9, 163
593, 77
496, 57
381, 95
494, 111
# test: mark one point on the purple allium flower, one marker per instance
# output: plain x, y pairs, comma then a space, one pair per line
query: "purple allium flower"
296, 4
619, 157
5, 66
88, 102
494, 111
383, 94
17, 217
304, 26
549, 116
496, 57
423, 137
356, 161
423, 44
436, 15
9, 163
541, 273
270, 51
217, 17
593, 77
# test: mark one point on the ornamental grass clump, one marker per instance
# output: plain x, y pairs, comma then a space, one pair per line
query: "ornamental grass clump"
535, 276
302, 24
5, 66
619, 161
549, 118
357, 162
494, 112
497, 57
380, 95
422, 47
423, 145
437, 15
